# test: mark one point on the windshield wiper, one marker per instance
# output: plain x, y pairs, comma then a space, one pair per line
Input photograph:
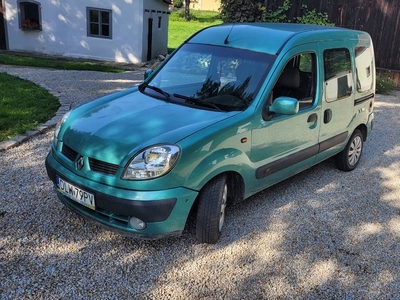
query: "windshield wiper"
157, 89
197, 101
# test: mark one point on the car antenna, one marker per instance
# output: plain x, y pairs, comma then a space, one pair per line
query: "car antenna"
227, 37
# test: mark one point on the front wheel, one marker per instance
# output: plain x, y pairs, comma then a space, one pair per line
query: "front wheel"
211, 210
348, 159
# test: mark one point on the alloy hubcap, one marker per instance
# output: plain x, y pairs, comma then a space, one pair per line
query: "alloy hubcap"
223, 206
355, 150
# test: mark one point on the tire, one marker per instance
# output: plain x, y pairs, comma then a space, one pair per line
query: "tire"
211, 210
348, 159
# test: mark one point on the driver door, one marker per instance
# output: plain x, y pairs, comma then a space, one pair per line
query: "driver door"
283, 145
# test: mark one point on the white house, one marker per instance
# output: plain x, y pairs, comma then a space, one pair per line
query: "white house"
122, 31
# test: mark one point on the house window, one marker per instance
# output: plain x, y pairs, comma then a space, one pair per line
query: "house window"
29, 15
159, 22
99, 22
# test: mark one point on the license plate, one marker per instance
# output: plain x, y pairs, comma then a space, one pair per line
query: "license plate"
74, 193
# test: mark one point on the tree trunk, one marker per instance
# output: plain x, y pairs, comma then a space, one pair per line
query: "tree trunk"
187, 14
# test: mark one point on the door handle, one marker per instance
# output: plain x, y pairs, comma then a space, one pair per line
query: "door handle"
327, 116
312, 118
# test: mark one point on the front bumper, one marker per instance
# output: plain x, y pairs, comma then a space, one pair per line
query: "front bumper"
165, 211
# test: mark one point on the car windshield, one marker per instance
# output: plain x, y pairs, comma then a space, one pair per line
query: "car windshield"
211, 77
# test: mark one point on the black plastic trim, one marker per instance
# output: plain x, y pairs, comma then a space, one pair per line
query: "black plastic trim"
285, 162
297, 157
148, 211
105, 225
363, 99
333, 141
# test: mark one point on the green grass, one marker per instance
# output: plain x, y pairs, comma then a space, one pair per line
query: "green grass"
179, 29
18, 60
23, 106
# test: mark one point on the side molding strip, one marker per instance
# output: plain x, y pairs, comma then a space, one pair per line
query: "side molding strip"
363, 99
297, 157
285, 162
333, 141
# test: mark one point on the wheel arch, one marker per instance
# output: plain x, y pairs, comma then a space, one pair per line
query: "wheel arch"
236, 192
364, 130
234, 162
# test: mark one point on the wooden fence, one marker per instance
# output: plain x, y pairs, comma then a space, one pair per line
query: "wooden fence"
380, 18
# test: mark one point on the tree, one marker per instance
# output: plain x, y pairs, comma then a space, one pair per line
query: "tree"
178, 3
187, 12
235, 11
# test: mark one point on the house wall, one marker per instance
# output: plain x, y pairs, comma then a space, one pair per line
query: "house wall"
64, 30
205, 5
155, 10
210, 4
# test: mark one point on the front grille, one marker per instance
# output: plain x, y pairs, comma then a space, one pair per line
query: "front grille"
71, 154
112, 217
103, 167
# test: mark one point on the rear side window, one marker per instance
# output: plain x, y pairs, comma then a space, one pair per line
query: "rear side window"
364, 69
338, 76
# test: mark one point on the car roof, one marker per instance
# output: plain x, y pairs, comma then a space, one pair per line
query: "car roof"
271, 37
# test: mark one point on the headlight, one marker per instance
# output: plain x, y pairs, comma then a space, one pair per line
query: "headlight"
152, 162
58, 126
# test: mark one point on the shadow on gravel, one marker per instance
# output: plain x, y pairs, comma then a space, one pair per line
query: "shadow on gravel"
322, 234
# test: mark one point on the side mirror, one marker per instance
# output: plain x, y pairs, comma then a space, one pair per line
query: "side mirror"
285, 106
281, 106
147, 73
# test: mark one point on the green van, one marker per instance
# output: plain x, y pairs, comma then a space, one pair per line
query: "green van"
234, 110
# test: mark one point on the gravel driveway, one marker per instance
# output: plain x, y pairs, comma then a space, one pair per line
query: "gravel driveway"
323, 234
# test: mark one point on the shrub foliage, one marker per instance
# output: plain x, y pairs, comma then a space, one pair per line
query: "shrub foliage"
236, 11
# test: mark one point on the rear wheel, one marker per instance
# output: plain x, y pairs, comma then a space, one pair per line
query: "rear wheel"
211, 210
348, 159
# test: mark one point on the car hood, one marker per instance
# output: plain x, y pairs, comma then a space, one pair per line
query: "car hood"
112, 130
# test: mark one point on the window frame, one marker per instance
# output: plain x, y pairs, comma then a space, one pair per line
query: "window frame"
295, 62
99, 23
22, 18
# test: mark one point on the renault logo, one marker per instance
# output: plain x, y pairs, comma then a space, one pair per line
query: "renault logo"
79, 163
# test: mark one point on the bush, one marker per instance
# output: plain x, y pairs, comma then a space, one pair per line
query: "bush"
278, 15
235, 11
313, 17
179, 15
384, 85
178, 3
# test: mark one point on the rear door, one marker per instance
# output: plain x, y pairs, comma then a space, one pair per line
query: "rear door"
338, 99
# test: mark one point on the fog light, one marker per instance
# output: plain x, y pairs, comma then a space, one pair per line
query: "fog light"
137, 223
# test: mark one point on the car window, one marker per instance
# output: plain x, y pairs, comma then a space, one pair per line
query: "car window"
298, 79
224, 76
186, 68
338, 75
364, 68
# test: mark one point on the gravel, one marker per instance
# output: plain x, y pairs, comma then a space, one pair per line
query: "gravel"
323, 234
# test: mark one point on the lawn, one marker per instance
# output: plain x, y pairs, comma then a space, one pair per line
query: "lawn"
179, 29
18, 60
23, 106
